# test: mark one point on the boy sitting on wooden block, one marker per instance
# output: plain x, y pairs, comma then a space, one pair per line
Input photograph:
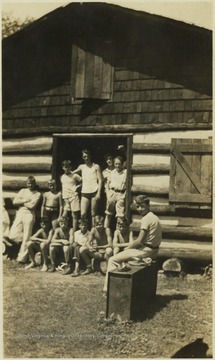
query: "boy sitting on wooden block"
147, 243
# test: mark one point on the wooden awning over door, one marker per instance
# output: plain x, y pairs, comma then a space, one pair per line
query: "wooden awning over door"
191, 171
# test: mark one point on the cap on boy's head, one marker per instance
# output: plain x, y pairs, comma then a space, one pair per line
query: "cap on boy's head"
142, 199
108, 155
66, 163
51, 182
82, 221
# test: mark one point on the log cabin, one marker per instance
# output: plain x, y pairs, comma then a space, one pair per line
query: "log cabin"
97, 76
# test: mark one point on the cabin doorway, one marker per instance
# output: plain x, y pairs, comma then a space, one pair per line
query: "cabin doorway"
70, 146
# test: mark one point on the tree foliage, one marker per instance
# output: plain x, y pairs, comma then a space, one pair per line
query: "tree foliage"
10, 24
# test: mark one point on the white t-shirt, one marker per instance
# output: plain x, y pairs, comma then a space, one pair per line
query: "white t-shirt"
89, 178
69, 183
152, 225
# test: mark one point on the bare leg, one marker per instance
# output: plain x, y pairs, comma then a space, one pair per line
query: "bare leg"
116, 250
107, 221
94, 207
53, 251
32, 248
75, 220
44, 250
85, 203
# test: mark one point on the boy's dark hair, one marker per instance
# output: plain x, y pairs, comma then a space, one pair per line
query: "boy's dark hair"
31, 179
140, 199
119, 158
45, 220
64, 218
52, 181
108, 155
123, 220
66, 163
82, 221
98, 219
86, 151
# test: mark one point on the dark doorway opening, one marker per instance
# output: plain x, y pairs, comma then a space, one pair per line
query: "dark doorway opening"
70, 146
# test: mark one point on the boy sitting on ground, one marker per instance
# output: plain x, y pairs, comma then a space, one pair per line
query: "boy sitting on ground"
62, 241
103, 237
81, 239
40, 242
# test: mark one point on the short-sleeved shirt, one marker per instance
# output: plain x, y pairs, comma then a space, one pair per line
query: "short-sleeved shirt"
69, 183
118, 180
152, 225
82, 239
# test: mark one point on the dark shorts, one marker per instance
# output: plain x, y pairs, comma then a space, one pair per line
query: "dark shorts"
89, 196
51, 214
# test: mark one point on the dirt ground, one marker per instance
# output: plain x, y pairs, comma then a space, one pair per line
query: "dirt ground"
47, 315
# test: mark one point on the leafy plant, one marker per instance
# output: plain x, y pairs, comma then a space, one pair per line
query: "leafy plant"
10, 24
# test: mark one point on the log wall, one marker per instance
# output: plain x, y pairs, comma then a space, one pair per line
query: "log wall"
150, 161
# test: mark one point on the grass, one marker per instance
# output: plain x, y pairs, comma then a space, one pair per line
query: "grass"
47, 315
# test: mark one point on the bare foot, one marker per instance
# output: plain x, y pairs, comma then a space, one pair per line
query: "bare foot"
31, 265
44, 268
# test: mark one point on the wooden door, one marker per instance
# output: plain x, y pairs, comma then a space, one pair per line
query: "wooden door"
191, 171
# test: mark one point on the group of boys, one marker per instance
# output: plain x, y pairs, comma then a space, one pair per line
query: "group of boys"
75, 246
56, 236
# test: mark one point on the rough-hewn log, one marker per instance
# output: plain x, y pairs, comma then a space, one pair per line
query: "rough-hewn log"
181, 232
150, 169
157, 209
28, 145
26, 164
149, 190
151, 148
15, 183
189, 250
195, 198
123, 128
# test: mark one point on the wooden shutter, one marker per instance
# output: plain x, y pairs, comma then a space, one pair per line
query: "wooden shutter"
191, 171
91, 70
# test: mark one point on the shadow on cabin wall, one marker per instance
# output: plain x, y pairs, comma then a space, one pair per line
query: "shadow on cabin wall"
89, 106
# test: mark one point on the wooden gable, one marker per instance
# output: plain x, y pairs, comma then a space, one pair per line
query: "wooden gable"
191, 171
91, 70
